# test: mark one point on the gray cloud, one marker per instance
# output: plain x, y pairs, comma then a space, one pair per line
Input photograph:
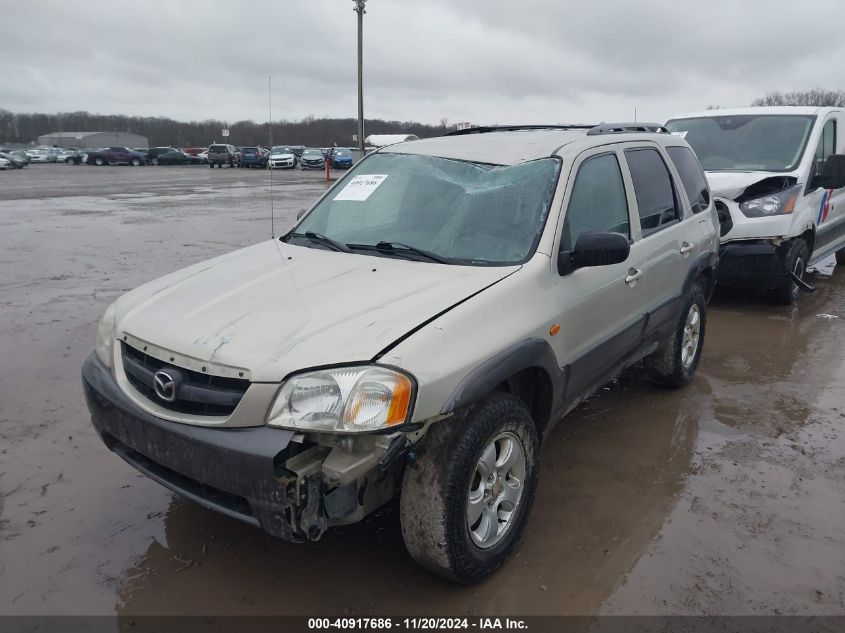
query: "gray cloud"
480, 60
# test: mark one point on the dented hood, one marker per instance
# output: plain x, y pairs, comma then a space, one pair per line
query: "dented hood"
731, 184
274, 308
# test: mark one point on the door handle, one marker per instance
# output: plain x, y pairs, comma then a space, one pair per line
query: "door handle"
633, 275
686, 247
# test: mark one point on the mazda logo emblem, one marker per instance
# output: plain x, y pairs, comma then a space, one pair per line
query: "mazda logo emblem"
165, 386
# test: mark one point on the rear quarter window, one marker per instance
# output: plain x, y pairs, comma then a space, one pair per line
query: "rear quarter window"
692, 177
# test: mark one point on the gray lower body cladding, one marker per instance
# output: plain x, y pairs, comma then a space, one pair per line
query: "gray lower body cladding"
238, 472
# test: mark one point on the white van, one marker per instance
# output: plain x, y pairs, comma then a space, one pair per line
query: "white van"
778, 178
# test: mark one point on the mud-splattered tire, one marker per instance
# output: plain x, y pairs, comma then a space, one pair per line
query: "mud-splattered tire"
446, 479
840, 257
795, 260
676, 359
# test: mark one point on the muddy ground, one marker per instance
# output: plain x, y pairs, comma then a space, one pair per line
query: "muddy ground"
727, 497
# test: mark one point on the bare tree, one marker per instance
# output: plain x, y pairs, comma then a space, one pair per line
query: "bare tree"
815, 97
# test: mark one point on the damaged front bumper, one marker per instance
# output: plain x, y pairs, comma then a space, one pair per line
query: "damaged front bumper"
270, 478
757, 262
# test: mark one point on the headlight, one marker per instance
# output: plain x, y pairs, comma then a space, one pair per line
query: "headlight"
779, 203
346, 399
105, 337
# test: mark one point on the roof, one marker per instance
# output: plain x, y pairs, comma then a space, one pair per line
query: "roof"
787, 110
381, 140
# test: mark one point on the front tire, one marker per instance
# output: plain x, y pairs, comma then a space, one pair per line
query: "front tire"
99, 162
840, 257
797, 254
676, 359
466, 498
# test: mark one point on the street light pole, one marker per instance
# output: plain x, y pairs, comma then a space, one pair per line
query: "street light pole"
359, 9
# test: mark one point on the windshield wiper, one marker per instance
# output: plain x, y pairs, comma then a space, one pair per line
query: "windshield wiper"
391, 247
319, 238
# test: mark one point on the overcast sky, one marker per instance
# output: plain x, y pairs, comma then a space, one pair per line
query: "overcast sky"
484, 61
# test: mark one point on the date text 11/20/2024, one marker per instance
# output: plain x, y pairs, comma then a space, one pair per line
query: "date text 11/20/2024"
422, 624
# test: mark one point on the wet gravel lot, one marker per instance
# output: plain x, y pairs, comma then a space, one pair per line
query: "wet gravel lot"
727, 497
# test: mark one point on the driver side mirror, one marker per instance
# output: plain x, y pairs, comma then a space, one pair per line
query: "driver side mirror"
594, 249
833, 173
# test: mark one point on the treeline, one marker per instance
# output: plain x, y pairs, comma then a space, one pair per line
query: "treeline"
816, 97
311, 131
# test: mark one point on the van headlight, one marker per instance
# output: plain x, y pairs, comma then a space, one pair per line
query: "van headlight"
105, 336
343, 399
780, 203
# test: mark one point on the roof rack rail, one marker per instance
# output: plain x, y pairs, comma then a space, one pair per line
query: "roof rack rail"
626, 128
483, 129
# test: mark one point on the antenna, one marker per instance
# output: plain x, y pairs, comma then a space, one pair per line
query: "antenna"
269, 167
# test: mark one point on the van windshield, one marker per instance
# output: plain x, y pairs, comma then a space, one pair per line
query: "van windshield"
747, 142
462, 212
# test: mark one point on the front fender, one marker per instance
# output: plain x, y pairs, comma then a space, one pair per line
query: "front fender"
527, 354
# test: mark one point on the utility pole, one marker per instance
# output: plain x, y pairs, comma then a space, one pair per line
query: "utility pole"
359, 9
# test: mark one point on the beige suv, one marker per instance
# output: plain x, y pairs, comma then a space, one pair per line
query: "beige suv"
416, 333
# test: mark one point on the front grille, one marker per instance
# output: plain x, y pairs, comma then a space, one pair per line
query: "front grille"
197, 393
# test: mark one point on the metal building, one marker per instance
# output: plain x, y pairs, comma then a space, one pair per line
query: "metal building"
93, 139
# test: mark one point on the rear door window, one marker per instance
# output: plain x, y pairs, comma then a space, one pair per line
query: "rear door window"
598, 202
692, 177
656, 200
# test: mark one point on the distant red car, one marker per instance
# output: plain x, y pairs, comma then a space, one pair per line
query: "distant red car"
194, 151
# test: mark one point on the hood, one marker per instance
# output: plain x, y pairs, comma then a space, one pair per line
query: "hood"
732, 184
275, 308
288, 155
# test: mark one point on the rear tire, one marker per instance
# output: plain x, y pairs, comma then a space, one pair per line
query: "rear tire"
99, 162
474, 471
135, 162
840, 256
676, 359
797, 254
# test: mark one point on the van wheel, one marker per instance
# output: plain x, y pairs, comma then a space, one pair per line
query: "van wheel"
465, 499
676, 359
840, 256
796, 261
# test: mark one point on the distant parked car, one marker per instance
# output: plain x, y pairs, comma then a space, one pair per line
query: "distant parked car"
194, 151
70, 156
154, 152
175, 157
253, 157
203, 156
222, 154
282, 157
6, 164
15, 161
312, 159
19, 154
41, 156
341, 158
115, 156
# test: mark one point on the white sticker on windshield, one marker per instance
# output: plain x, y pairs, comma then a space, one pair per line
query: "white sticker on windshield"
682, 134
361, 187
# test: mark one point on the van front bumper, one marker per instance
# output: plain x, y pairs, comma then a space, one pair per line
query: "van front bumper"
752, 262
236, 471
